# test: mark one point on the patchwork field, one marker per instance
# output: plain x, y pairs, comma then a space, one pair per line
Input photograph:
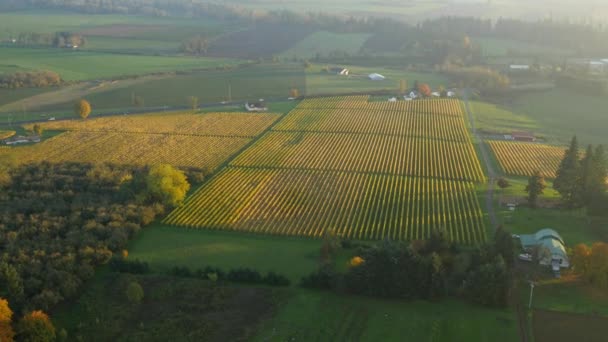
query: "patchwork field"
182, 140
400, 179
524, 159
86, 65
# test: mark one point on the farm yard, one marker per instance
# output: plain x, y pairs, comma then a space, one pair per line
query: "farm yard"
290, 182
524, 159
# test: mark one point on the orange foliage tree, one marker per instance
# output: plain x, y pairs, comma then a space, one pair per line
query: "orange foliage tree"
424, 89
6, 315
36, 327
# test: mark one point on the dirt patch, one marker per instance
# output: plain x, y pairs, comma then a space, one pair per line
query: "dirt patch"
121, 30
552, 326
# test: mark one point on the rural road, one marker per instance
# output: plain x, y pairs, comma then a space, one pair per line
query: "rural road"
486, 160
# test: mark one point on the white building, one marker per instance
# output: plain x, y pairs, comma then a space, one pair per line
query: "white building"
376, 77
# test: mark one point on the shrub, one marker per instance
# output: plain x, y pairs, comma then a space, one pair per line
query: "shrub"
135, 293
118, 264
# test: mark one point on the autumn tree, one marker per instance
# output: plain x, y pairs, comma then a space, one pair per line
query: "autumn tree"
37, 129
294, 93
167, 184
36, 326
134, 292
82, 109
592, 263
403, 86
196, 46
6, 316
567, 181
424, 89
580, 258
193, 102
536, 186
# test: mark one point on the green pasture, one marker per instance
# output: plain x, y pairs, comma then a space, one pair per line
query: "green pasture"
319, 82
323, 43
562, 113
491, 118
495, 47
572, 297
164, 247
82, 65
323, 316
156, 28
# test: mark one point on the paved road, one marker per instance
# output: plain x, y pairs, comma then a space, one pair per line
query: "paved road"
486, 160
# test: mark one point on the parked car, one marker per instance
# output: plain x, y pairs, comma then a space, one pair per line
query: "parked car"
525, 257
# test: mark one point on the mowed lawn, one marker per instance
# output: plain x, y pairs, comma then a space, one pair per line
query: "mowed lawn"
165, 247
323, 316
82, 65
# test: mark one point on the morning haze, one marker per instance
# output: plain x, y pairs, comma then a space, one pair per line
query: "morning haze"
282, 170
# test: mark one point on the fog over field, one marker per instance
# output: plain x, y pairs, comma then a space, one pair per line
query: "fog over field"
413, 10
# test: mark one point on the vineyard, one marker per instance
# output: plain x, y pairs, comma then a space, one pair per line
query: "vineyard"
524, 159
6, 134
216, 124
185, 141
364, 170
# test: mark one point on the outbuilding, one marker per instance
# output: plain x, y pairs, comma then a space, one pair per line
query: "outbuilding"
549, 246
376, 77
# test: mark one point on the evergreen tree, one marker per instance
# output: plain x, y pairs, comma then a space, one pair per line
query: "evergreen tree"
567, 181
586, 176
599, 173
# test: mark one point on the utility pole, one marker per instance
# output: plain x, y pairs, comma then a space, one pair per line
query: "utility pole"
229, 92
531, 294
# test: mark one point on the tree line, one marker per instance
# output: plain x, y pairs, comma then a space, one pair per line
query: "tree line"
59, 221
431, 270
581, 178
30, 79
57, 39
583, 37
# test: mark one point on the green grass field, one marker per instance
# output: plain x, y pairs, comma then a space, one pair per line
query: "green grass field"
268, 81
321, 316
572, 297
93, 26
81, 65
318, 82
165, 247
491, 118
324, 43
494, 47
561, 113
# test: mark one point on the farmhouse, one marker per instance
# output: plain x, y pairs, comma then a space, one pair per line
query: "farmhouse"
550, 248
376, 77
258, 106
519, 67
339, 71
523, 136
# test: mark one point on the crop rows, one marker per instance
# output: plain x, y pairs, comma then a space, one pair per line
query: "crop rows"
378, 122
427, 106
202, 152
367, 153
524, 159
216, 124
364, 170
353, 205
